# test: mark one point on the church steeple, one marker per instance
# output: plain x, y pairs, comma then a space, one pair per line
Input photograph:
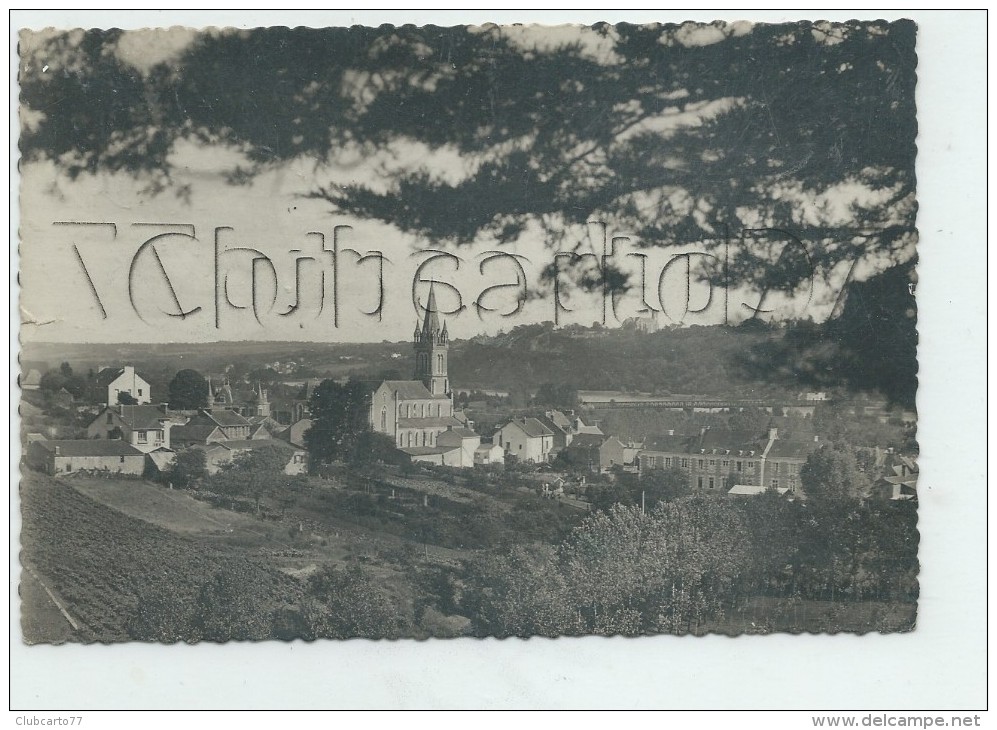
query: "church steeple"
431, 350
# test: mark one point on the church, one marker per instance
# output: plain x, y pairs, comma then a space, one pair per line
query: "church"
419, 414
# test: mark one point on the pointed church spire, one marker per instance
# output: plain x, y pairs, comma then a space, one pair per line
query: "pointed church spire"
431, 324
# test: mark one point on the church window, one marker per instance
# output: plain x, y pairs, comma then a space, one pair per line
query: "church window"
384, 418
439, 364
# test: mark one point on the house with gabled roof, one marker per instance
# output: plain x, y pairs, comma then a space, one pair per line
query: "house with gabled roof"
68, 456
32, 380
112, 383
527, 439
217, 424
146, 427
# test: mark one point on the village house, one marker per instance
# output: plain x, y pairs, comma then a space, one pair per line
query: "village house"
113, 383
487, 454
219, 453
295, 433
32, 380
615, 452
249, 403
525, 438
900, 480
68, 456
146, 427
217, 424
582, 453
561, 425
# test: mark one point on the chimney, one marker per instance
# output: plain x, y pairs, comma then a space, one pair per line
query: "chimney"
58, 450
671, 432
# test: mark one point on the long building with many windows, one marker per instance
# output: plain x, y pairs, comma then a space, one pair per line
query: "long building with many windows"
720, 460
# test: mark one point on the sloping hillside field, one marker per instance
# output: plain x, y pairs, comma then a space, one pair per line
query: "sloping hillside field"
95, 565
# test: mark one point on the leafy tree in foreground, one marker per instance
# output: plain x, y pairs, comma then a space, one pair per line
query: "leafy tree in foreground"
832, 473
189, 467
254, 474
188, 390
340, 420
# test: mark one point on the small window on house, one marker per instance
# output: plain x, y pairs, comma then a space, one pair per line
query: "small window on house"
668, 461
121, 459
726, 463
699, 482
738, 466
775, 484
713, 462
110, 417
685, 463
700, 463
140, 391
712, 483
143, 437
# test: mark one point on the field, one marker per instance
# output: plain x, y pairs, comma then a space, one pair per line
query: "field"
97, 562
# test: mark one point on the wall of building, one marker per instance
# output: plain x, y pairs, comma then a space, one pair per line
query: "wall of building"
130, 464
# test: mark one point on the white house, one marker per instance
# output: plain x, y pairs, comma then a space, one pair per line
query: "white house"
463, 438
525, 438
123, 380
489, 454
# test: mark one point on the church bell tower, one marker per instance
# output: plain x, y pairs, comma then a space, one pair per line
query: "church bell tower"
432, 345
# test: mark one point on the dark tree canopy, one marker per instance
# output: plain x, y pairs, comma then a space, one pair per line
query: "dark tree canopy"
551, 132
188, 390
673, 134
340, 421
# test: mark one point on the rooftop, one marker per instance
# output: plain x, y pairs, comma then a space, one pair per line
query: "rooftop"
89, 447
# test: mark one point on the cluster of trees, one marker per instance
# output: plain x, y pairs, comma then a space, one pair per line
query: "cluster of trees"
666, 362
686, 564
680, 562
53, 381
556, 395
340, 429
237, 606
188, 390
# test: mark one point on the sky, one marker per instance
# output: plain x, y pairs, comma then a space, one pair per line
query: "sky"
109, 283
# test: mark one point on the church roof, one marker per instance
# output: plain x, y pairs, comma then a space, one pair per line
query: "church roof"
412, 390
